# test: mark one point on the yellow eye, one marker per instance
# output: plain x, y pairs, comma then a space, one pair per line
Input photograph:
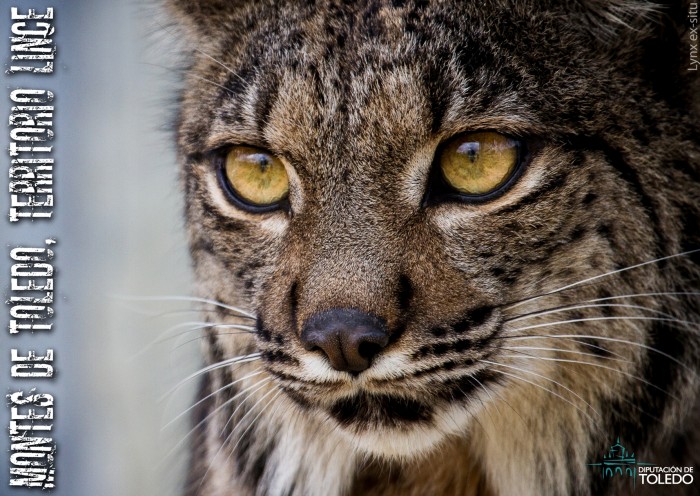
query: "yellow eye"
255, 176
478, 163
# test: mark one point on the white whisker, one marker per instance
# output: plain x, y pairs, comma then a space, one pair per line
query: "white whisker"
252, 423
193, 326
639, 295
217, 334
223, 388
519, 369
215, 410
224, 363
600, 276
235, 410
474, 418
227, 90
499, 397
194, 299
580, 362
545, 389
471, 377
577, 306
223, 444
546, 336
616, 340
619, 317
562, 350
216, 61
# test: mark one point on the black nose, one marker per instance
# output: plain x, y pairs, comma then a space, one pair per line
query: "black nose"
349, 338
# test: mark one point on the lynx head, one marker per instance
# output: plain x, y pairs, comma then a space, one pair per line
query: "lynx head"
436, 208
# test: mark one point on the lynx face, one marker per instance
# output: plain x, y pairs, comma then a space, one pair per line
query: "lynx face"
440, 216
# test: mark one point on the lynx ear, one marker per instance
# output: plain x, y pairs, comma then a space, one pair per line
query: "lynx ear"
204, 18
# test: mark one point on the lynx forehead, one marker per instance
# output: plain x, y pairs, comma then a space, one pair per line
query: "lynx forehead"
450, 243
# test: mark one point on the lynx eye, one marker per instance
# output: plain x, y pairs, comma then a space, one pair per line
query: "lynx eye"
254, 178
479, 163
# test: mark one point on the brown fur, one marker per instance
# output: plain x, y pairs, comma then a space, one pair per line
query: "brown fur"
355, 98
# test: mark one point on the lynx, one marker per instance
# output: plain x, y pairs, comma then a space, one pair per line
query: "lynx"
449, 247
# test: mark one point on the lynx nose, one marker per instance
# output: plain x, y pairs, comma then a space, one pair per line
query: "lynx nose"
349, 338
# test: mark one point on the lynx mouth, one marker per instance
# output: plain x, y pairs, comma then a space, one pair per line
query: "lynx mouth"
380, 411
394, 419
394, 427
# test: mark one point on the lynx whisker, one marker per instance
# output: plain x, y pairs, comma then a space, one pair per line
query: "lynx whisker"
615, 340
645, 295
577, 306
194, 299
578, 341
222, 388
218, 62
498, 395
599, 276
211, 414
235, 410
501, 398
200, 51
192, 326
252, 422
562, 350
545, 378
250, 426
198, 311
226, 440
598, 365
227, 90
224, 363
470, 378
203, 336
471, 414
545, 388
681, 323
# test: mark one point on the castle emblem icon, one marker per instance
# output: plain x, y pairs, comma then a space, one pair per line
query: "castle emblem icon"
618, 462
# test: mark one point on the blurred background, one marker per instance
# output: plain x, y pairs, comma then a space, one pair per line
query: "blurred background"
118, 224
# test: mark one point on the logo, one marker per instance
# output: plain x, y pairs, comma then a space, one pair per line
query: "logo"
619, 462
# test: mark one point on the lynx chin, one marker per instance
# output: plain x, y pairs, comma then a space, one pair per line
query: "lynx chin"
447, 248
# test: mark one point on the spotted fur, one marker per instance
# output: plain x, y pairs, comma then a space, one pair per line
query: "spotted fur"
527, 333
